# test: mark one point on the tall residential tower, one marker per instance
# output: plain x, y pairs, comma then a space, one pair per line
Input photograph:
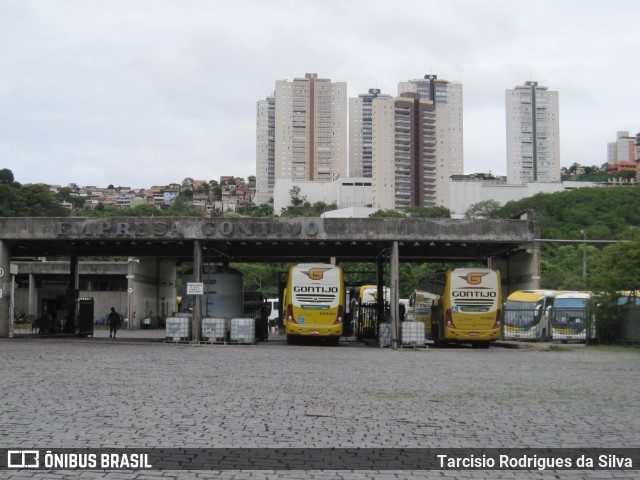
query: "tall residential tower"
405, 153
447, 97
533, 134
309, 121
361, 133
265, 150
622, 154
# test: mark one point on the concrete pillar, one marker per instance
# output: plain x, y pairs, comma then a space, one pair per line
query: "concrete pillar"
33, 297
196, 321
73, 291
5, 288
394, 299
380, 290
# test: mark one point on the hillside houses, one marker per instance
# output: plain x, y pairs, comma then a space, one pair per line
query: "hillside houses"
211, 197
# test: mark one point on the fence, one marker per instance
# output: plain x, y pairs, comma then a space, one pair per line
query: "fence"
368, 322
571, 324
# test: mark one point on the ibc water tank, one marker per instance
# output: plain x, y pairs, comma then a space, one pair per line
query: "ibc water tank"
223, 292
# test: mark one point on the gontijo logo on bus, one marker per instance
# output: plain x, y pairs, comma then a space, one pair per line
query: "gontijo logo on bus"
316, 273
473, 278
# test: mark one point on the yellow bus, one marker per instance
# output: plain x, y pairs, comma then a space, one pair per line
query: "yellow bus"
314, 302
468, 308
365, 314
526, 315
419, 309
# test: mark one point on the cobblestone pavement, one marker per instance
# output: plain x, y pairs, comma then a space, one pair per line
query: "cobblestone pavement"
133, 392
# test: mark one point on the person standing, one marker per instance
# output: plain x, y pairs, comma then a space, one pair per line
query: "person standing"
114, 322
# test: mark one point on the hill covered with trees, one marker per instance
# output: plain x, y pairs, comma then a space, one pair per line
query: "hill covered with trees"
598, 220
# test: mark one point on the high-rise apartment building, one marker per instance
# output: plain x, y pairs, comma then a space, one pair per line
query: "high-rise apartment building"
622, 154
361, 133
533, 134
311, 129
447, 97
405, 154
265, 149
309, 124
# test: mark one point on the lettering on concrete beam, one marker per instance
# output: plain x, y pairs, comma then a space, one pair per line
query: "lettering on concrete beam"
243, 229
118, 229
208, 228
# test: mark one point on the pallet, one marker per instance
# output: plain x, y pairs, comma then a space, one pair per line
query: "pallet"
414, 346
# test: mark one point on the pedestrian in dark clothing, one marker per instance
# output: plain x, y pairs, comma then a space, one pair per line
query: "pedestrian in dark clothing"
114, 322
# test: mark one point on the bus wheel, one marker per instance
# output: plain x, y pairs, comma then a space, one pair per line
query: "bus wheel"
291, 340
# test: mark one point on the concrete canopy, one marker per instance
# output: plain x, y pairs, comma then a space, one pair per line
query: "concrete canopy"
267, 239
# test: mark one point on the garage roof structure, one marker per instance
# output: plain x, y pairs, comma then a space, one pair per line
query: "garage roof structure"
509, 244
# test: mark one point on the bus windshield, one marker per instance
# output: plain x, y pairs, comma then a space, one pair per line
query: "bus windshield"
570, 303
522, 314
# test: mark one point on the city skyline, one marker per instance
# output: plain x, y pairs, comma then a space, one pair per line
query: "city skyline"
146, 93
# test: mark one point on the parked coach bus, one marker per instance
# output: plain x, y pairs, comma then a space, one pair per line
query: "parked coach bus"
570, 318
314, 302
526, 315
366, 313
419, 309
468, 309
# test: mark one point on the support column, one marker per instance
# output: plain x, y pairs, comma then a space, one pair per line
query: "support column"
196, 321
394, 299
158, 307
73, 290
5, 288
380, 290
32, 308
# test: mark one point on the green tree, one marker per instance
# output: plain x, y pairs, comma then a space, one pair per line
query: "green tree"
387, 214
484, 209
428, 212
32, 200
187, 184
6, 177
296, 199
261, 277
617, 268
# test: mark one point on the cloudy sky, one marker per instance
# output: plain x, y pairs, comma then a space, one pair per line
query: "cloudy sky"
148, 92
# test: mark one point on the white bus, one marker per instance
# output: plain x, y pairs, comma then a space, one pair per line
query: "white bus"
526, 315
570, 320
274, 303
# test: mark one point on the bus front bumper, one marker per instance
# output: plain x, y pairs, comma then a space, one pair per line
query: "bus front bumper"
518, 334
457, 335
314, 330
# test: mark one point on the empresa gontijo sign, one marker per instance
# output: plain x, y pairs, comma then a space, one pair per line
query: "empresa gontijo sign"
175, 228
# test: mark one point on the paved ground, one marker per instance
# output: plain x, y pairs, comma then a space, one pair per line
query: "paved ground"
134, 392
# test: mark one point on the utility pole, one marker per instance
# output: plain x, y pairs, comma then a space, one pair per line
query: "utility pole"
584, 258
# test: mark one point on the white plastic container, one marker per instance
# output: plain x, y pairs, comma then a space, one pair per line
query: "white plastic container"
178, 329
243, 330
413, 333
215, 329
